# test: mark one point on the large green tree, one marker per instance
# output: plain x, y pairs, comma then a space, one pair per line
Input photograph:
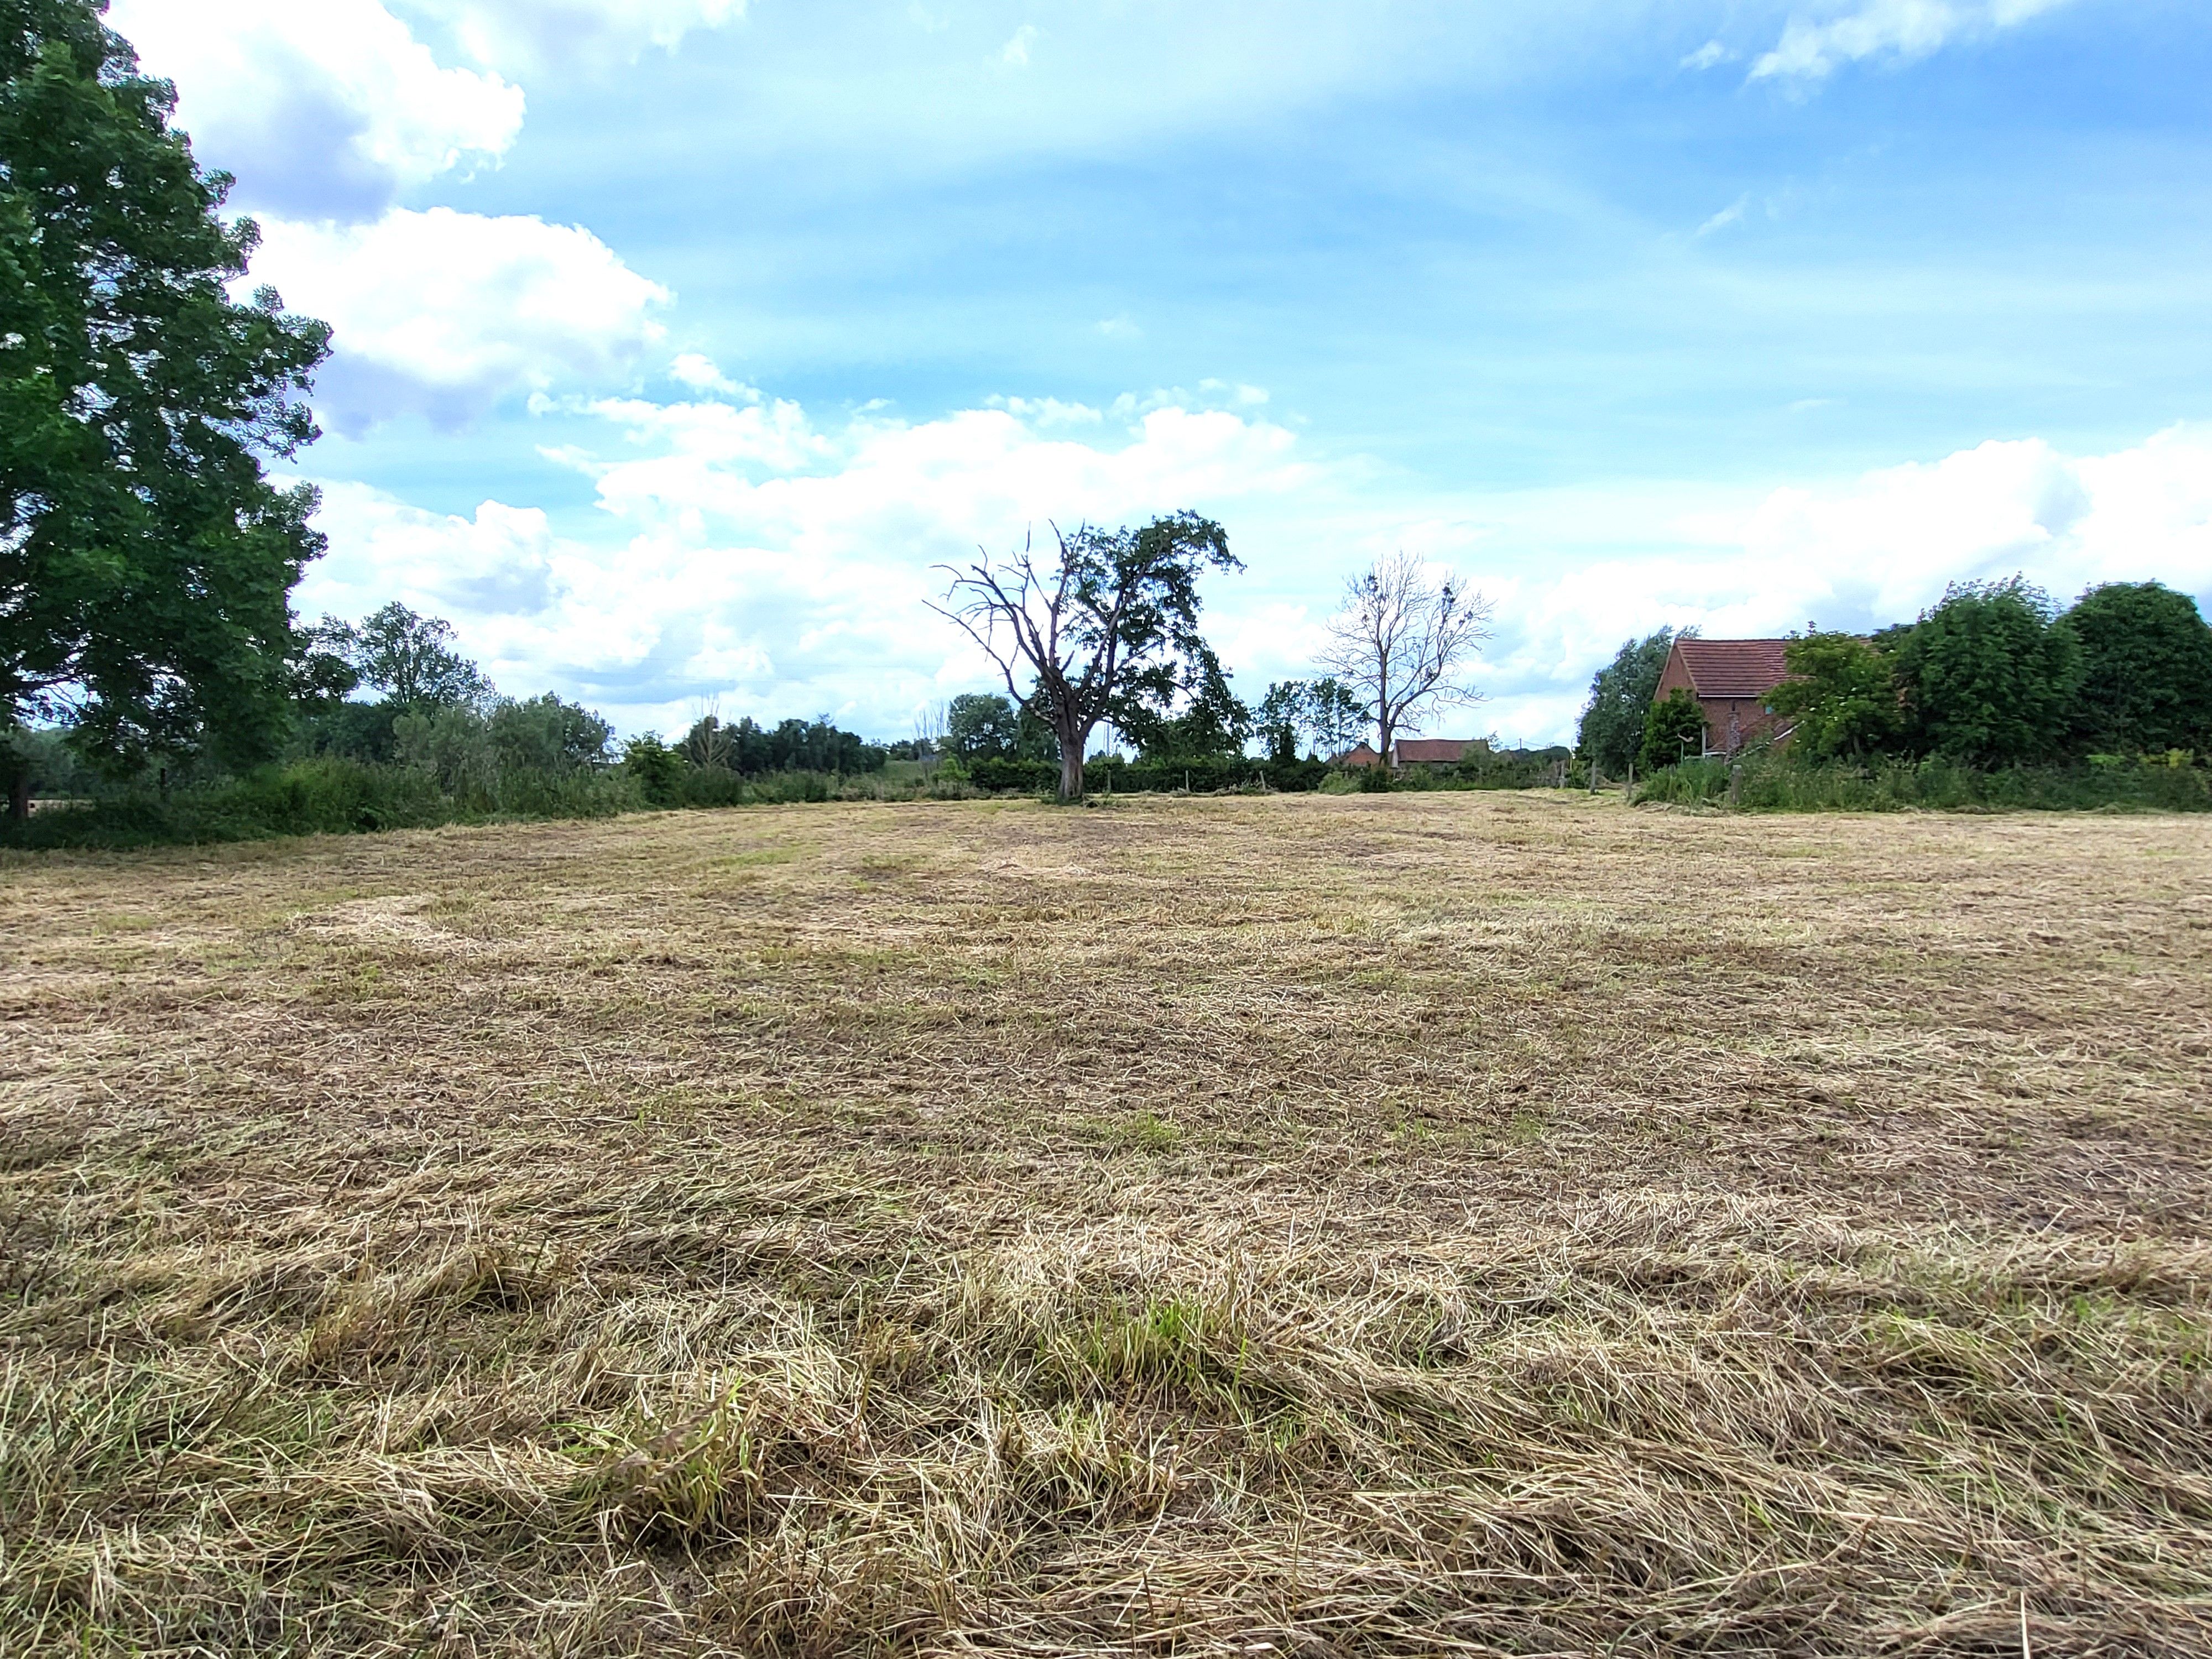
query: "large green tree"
411, 658
146, 563
1612, 730
1987, 675
1105, 632
1840, 697
2146, 670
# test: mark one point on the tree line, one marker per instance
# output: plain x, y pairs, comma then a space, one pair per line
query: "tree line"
1995, 675
1101, 630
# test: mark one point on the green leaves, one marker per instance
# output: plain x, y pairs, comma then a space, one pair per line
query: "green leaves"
1674, 731
2146, 671
1988, 675
1840, 698
146, 563
1612, 731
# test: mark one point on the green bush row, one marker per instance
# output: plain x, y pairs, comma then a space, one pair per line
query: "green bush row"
322, 796
1201, 775
1774, 784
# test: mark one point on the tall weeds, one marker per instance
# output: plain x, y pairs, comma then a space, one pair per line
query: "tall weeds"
1775, 784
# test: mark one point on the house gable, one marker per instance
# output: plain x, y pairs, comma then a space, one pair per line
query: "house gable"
1731, 680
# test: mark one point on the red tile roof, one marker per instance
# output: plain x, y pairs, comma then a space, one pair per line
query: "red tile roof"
1734, 668
1432, 752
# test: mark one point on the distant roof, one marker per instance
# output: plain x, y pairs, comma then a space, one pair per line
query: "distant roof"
1417, 752
1734, 668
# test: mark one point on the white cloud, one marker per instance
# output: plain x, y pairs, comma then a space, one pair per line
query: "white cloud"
1706, 56
1902, 29
746, 552
329, 109
1731, 213
1858, 555
527, 33
447, 313
1015, 52
698, 371
777, 564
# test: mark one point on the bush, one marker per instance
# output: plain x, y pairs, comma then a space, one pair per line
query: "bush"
1777, 784
657, 769
1674, 727
322, 796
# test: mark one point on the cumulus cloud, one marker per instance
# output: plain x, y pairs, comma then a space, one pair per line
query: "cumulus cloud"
1900, 29
327, 110
746, 552
1859, 556
445, 313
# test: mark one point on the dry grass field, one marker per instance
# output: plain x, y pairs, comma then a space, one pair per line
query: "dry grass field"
1429, 1224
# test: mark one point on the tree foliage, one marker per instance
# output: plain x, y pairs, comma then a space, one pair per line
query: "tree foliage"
1325, 712
1200, 718
2146, 684
1674, 731
1840, 697
1611, 734
748, 749
1104, 633
146, 563
1987, 675
984, 726
1402, 642
411, 658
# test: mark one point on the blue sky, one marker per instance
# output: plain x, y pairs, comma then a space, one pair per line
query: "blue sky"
679, 339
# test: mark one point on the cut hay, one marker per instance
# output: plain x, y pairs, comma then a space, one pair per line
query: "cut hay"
1408, 1225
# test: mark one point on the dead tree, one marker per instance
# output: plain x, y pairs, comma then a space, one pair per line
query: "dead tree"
1403, 641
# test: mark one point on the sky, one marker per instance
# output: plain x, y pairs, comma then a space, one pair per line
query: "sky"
679, 342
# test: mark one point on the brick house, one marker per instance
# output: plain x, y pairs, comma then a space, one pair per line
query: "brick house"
1414, 751
1731, 680
1432, 752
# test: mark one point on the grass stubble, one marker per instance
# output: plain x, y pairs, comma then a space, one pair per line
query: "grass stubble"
1359, 1224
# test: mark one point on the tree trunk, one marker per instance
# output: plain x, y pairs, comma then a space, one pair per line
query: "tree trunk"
18, 793
1072, 745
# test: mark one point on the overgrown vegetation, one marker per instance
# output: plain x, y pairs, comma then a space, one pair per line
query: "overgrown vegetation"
733, 1236
1769, 783
1993, 697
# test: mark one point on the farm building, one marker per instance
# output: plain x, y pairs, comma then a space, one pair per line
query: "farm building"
1731, 680
1416, 751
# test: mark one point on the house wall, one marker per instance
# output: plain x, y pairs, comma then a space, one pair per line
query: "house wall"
1751, 720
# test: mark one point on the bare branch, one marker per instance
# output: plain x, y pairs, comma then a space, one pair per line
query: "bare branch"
1403, 641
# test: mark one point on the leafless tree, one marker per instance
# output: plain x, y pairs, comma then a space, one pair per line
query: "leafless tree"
929, 733
1404, 641
1101, 631
708, 742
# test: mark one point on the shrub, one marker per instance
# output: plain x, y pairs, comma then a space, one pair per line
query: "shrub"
2146, 670
1779, 784
1674, 729
657, 769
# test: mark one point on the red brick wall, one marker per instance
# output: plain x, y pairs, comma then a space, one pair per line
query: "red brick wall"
1751, 720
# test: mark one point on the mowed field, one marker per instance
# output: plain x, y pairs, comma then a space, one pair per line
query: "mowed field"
1408, 1224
